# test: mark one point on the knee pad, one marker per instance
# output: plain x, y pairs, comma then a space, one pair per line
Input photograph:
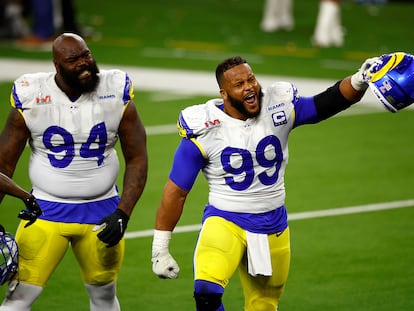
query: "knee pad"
101, 292
207, 302
103, 297
20, 296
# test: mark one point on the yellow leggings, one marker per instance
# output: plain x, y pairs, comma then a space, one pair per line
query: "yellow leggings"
43, 245
221, 249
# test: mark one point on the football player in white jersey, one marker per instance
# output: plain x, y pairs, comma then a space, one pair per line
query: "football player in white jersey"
240, 143
72, 120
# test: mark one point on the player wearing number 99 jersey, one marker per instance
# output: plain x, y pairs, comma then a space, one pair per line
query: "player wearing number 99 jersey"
240, 143
72, 120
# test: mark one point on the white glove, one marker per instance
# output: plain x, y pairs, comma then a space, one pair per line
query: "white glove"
163, 264
358, 80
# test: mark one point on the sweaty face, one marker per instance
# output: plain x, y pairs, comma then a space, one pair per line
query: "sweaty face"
84, 79
76, 68
241, 93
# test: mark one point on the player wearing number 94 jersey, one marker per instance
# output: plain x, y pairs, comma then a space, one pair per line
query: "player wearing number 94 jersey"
72, 119
240, 143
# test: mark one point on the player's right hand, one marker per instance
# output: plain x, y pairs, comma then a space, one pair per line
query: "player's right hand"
32, 211
164, 265
358, 80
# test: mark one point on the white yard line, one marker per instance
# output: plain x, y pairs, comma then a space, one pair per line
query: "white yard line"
178, 81
297, 216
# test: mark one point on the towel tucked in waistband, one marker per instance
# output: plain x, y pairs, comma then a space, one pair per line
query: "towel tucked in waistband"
258, 254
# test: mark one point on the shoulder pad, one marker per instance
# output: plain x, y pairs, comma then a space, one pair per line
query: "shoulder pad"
27, 87
112, 74
31, 80
192, 120
118, 80
280, 93
113, 77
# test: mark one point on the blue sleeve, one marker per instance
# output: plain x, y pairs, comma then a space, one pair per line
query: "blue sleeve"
187, 163
305, 111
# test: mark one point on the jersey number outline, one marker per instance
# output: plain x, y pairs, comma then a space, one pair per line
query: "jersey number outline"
247, 164
97, 136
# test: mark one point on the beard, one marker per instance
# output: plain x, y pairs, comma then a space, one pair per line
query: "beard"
239, 106
71, 78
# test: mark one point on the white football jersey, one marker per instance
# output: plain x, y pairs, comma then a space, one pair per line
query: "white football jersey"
72, 159
245, 160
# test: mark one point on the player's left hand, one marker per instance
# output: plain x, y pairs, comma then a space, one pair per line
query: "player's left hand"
32, 211
358, 80
114, 227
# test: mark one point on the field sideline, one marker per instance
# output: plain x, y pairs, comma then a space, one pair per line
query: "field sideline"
185, 82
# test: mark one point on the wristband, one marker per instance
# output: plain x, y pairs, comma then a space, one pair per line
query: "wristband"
357, 83
161, 239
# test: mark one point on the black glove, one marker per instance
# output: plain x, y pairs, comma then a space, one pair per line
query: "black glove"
32, 211
114, 227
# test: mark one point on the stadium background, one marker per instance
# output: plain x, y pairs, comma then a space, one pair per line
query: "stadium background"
358, 261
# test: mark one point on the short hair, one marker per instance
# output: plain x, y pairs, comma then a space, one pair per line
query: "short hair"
226, 65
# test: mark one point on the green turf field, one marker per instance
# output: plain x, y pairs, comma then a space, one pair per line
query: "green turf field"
198, 34
359, 261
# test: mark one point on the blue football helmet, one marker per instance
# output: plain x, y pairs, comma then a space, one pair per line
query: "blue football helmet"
8, 256
391, 80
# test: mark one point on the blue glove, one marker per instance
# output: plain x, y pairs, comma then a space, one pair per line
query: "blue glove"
32, 211
114, 227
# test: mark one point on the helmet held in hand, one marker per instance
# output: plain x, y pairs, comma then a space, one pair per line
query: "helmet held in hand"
391, 80
8, 256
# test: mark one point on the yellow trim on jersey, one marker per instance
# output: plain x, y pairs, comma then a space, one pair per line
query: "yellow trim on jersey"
395, 59
131, 97
13, 104
293, 116
199, 147
183, 133
181, 130
131, 91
